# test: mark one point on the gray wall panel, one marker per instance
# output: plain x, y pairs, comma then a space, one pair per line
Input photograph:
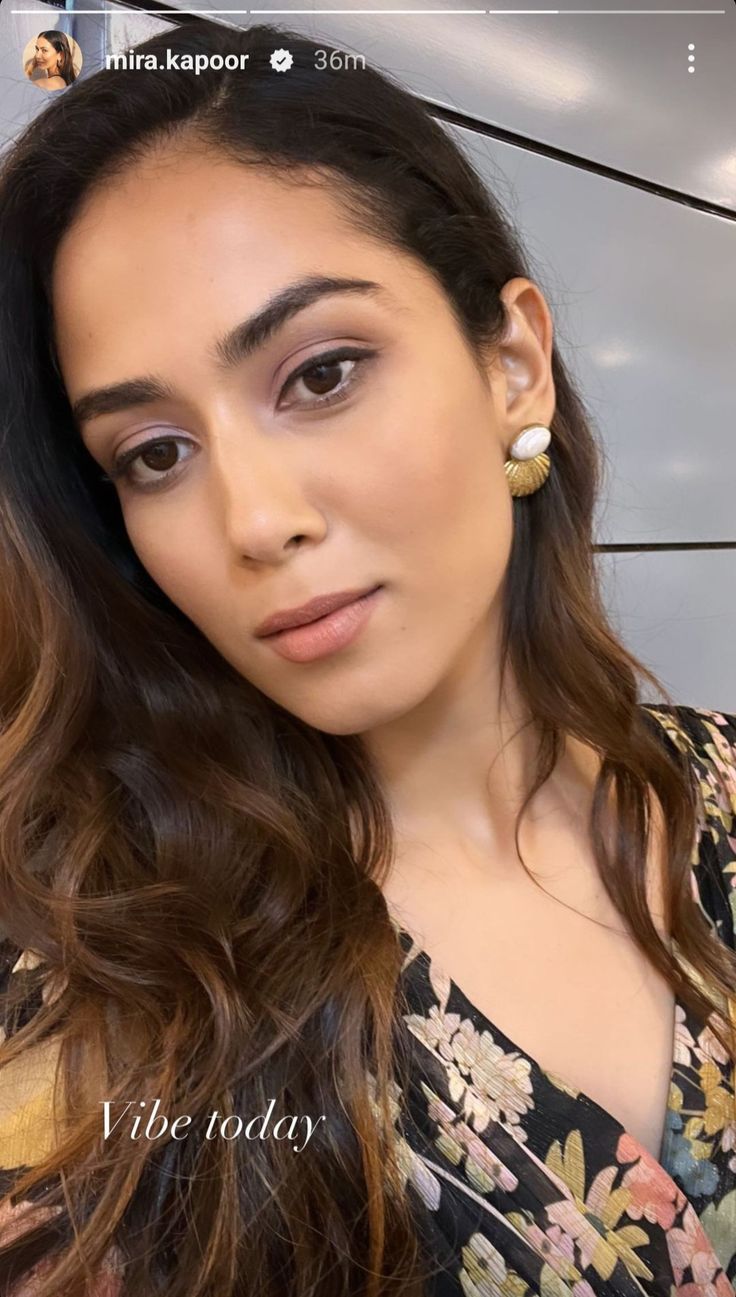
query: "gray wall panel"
676, 612
610, 88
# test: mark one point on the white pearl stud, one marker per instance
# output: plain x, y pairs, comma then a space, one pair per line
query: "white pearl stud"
532, 441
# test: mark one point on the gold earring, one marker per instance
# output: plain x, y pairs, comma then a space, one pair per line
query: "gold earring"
528, 467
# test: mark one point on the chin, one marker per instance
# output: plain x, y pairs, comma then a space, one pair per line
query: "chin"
336, 716
358, 709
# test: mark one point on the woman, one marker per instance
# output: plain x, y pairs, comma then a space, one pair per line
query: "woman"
278, 360
52, 62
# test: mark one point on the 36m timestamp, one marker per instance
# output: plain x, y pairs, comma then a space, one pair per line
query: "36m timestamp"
337, 60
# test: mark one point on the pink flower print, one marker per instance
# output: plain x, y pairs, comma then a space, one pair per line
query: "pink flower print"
435, 1029
595, 1249
721, 1287
490, 1084
684, 1040
437, 1110
689, 1246
709, 1047
595, 1226
653, 1195
723, 756
557, 1248
482, 1166
504, 1079
455, 1139
582, 1289
562, 1241
719, 794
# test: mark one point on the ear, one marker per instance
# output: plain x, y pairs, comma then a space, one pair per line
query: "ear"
523, 382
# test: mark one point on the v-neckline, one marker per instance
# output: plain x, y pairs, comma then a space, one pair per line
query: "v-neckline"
682, 1017
576, 1094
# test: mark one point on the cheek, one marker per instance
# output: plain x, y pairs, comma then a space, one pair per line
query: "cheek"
164, 547
439, 490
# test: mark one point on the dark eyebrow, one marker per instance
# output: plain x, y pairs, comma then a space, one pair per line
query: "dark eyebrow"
238, 343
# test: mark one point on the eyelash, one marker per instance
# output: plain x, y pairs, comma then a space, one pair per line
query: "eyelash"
121, 468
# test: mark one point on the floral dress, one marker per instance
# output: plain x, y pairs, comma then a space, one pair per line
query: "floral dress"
524, 1185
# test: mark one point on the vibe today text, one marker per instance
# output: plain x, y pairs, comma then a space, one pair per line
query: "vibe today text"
154, 1125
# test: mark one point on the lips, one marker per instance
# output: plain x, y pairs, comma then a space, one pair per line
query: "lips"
328, 635
320, 606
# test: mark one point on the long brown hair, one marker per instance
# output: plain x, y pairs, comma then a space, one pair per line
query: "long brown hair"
198, 870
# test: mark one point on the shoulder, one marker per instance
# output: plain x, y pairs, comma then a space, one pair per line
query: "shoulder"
707, 739
56, 83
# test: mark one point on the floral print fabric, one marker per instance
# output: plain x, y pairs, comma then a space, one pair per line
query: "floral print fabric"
525, 1186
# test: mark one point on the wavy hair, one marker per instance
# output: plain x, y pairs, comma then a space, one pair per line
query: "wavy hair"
199, 871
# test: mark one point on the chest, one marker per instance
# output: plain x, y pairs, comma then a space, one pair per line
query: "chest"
557, 973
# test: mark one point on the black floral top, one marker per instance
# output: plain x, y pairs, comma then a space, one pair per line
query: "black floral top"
525, 1186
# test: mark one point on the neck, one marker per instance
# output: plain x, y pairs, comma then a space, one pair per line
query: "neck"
457, 768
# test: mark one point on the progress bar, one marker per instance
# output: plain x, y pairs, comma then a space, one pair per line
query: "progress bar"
393, 12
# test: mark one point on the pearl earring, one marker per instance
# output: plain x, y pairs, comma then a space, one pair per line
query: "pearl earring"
528, 467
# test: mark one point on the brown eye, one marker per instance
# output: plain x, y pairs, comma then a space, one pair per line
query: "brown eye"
159, 455
322, 376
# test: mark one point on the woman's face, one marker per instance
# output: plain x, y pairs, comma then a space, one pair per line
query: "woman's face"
263, 497
46, 55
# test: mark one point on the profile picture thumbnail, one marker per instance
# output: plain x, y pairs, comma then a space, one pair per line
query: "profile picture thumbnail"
52, 60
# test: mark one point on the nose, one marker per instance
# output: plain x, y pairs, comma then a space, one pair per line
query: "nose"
260, 497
